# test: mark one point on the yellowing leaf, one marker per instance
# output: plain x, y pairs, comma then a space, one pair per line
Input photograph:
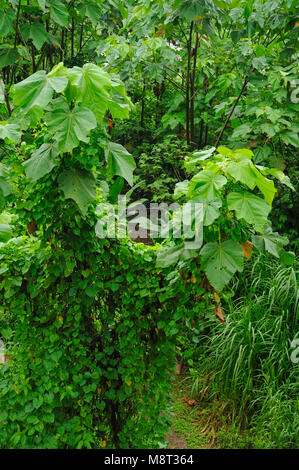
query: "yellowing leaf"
247, 249
219, 313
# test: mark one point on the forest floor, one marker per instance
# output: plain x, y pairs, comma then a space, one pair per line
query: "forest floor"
204, 424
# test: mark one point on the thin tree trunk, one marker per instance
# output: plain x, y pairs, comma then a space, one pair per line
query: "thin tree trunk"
206, 135
81, 38
142, 108
62, 45
72, 37
192, 127
200, 134
232, 109
189, 51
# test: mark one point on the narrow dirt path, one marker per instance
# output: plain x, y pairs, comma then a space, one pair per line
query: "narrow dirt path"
203, 422
175, 440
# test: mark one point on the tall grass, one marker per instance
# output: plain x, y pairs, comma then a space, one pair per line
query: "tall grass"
248, 358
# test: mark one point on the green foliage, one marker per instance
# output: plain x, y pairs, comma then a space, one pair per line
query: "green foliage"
231, 214
80, 315
83, 331
248, 360
159, 167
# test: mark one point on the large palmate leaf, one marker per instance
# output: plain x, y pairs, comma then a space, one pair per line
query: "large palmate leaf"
190, 9
119, 107
206, 185
270, 241
181, 189
91, 86
42, 161
249, 207
279, 174
265, 185
39, 35
37, 90
169, 255
8, 55
58, 12
78, 185
120, 161
69, 126
93, 12
220, 262
6, 22
242, 171
197, 157
210, 209
10, 132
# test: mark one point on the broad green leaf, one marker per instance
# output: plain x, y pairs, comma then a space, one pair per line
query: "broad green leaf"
290, 138
120, 162
119, 108
91, 86
287, 258
210, 208
6, 22
5, 232
243, 153
8, 55
58, 12
266, 186
279, 174
241, 131
206, 185
190, 9
39, 35
4, 185
69, 126
169, 255
10, 132
93, 12
225, 151
37, 90
236, 35
78, 185
242, 171
5, 189
249, 207
42, 4
220, 262
270, 241
198, 157
42, 161
181, 189
115, 189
